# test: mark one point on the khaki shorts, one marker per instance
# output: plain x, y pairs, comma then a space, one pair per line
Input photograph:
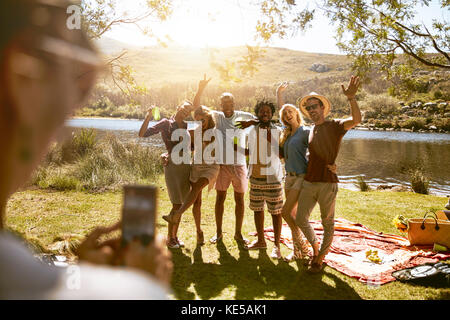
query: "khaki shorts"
294, 182
177, 181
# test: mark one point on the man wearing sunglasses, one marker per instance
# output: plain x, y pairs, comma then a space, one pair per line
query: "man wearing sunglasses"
320, 184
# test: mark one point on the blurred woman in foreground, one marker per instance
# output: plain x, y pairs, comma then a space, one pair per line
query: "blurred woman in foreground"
46, 71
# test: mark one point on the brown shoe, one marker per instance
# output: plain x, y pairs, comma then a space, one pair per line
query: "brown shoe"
315, 267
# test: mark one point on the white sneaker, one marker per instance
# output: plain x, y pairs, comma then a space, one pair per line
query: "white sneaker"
276, 253
173, 245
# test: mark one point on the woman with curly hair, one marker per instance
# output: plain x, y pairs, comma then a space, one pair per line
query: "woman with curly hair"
266, 176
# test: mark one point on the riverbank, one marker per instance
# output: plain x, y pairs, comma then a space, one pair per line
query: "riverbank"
377, 125
225, 271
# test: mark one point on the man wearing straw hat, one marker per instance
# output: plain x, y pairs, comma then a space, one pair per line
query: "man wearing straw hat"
320, 184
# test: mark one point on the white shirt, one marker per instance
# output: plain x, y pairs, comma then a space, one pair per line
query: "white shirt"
23, 276
270, 157
223, 123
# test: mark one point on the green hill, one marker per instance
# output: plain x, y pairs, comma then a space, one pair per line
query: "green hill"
155, 66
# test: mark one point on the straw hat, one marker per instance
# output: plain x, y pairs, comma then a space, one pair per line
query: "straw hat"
301, 103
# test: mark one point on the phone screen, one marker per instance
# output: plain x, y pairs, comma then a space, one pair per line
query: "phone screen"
139, 213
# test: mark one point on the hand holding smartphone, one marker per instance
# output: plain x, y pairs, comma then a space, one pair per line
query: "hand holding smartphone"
139, 214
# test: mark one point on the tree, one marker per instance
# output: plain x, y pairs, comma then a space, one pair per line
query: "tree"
234, 71
100, 16
374, 32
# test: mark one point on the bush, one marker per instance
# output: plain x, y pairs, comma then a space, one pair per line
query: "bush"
419, 182
64, 182
381, 106
83, 141
105, 164
414, 124
362, 184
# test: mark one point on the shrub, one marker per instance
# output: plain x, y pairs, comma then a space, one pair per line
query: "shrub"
380, 106
105, 164
83, 141
414, 124
437, 95
362, 184
419, 182
64, 182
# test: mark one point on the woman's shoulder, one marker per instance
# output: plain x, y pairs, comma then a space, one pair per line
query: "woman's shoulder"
303, 131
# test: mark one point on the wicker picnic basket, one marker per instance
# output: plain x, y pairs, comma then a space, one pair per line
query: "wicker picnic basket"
429, 230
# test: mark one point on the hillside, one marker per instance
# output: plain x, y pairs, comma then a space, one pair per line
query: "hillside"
155, 66
171, 74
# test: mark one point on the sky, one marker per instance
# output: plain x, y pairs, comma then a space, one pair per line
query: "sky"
224, 23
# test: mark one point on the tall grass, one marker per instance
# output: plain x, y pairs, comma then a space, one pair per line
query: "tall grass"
362, 184
87, 163
419, 182
417, 175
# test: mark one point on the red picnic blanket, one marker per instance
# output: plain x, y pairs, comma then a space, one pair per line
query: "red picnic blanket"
352, 240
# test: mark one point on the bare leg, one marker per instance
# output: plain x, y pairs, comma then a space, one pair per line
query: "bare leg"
197, 212
289, 211
190, 199
172, 228
239, 215
219, 209
259, 224
277, 223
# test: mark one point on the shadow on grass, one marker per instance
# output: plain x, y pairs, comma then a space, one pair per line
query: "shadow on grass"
249, 278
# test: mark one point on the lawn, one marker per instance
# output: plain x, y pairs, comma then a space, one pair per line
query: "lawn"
225, 271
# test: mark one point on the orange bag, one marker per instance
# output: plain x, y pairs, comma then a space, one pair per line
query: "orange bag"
429, 230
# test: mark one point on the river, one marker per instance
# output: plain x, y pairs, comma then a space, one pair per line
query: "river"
379, 156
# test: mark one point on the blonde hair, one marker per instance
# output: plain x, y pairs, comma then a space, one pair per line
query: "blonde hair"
287, 128
205, 111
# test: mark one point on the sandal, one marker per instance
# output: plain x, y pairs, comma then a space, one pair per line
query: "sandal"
276, 253
216, 238
242, 240
255, 246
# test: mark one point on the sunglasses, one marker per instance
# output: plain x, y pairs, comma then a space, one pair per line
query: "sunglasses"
312, 107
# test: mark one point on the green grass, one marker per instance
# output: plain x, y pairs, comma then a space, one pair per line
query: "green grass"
225, 271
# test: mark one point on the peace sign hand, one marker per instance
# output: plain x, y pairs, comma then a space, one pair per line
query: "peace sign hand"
203, 83
352, 88
282, 87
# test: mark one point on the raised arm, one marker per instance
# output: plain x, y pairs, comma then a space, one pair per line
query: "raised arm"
156, 128
280, 97
201, 87
350, 93
146, 121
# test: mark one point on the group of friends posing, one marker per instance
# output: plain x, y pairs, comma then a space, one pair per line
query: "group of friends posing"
309, 173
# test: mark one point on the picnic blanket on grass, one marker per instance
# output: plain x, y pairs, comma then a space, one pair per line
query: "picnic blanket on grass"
352, 240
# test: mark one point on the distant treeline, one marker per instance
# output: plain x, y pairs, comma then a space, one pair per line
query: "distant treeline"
380, 108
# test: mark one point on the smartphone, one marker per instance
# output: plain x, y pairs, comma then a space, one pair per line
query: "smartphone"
139, 213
